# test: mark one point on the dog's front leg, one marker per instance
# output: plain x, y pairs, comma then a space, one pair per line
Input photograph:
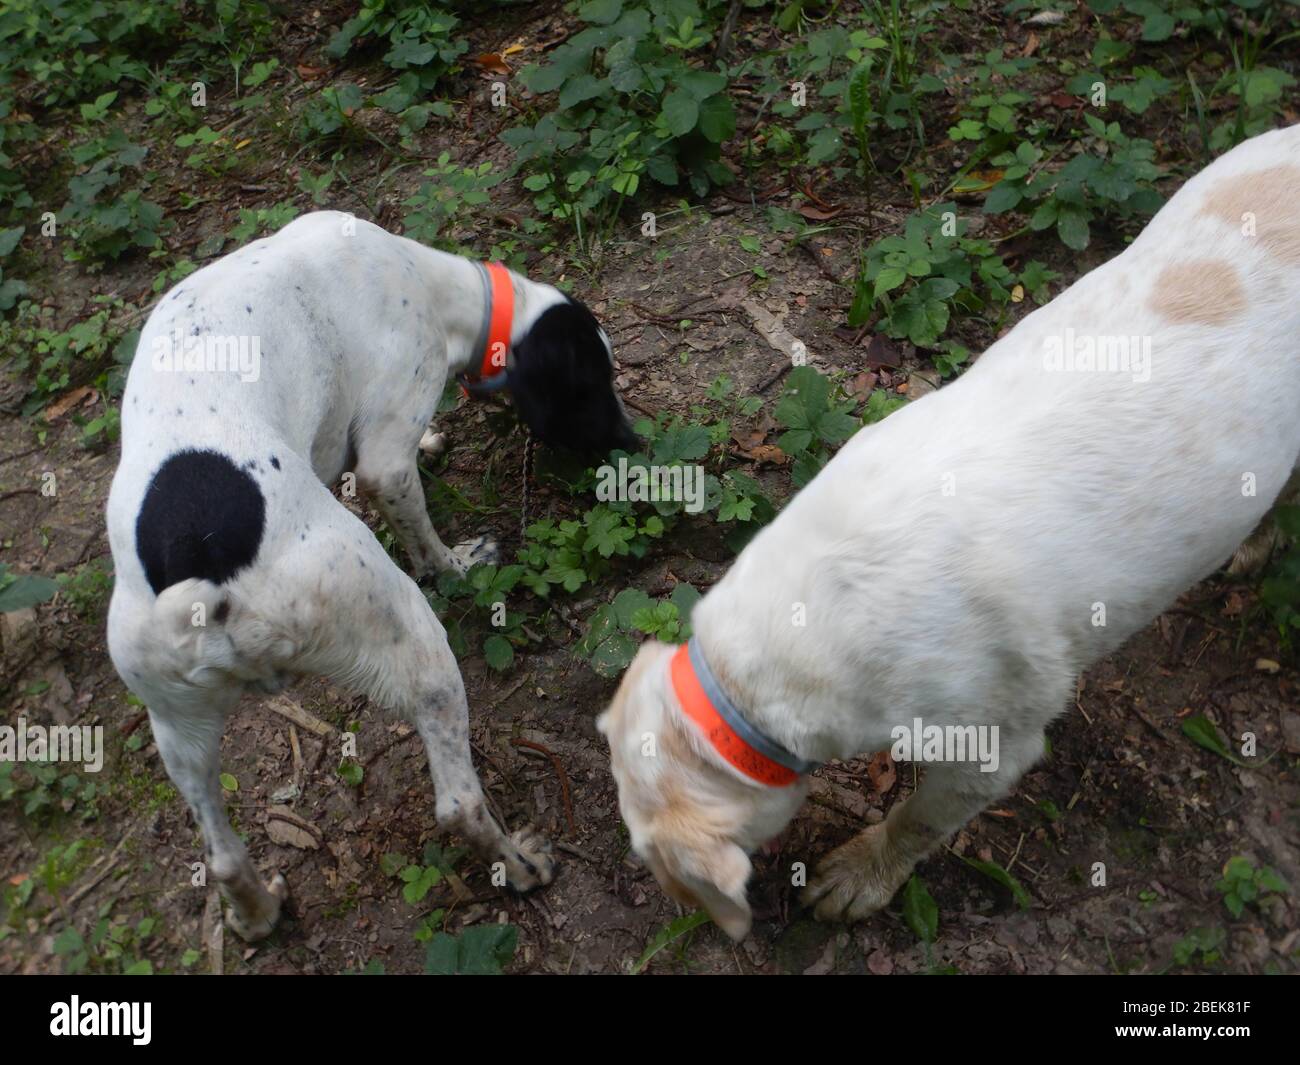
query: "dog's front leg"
863, 875
443, 724
393, 485
433, 443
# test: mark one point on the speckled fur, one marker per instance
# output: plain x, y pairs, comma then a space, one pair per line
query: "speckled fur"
359, 330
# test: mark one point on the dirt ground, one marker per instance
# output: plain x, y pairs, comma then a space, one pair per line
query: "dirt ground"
1123, 786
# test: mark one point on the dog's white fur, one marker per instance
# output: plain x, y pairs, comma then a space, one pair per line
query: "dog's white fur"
951, 559
359, 330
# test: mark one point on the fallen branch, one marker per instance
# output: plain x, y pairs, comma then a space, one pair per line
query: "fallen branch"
287, 708
559, 770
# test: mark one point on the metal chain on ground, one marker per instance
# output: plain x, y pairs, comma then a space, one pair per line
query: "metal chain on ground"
529, 451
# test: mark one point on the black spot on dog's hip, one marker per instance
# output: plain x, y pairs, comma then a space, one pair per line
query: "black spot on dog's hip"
202, 516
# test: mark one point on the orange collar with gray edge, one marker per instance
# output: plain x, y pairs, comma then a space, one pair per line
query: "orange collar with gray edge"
735, 739
494, 333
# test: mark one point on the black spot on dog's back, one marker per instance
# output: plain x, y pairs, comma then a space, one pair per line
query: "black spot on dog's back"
202, 516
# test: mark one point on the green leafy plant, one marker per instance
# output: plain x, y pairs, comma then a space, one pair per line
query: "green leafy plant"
840, 64
72, 48
873, 79
328, 115
1202, 946
19, 591
115, 945
920, 910
440, 204
630, 104
105, 221
419, 878
680, 929
480, 950
1280, 589
481, 597
43, 789
94, 346
11, 288
921, 913
1136, 89
816, 420
1242, 885
569, 553
1000, 876
1200, 730
87, 589
261, 221
919, 278
991, 109
417, 35
616, 628
1115, 180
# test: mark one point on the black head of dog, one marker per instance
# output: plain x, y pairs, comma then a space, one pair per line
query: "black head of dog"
562, 382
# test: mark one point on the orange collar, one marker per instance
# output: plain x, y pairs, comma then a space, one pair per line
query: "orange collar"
494, 334
735, 739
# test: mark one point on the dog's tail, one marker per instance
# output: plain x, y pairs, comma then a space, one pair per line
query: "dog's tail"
212, 637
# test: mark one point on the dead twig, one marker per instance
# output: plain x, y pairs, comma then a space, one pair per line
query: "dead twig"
20, 455
287, 708
723, 49
559, 771
110, 863
578, 852
401, 737
774, 377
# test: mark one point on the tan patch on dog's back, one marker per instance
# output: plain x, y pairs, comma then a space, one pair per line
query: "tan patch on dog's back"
1265, 200
1204, 291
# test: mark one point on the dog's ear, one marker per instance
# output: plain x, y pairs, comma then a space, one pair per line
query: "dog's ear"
562, 382
711, 872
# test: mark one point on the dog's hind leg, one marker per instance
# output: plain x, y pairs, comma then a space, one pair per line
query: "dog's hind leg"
365, 624
176, 655
442, 719
188, 733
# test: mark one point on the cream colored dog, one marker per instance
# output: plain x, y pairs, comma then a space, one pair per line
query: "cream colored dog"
962, 561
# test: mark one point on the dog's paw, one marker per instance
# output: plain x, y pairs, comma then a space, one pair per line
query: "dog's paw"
480, 549
252, 927
529, 861
273, 683
856, 879
433, 444
1251, 558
